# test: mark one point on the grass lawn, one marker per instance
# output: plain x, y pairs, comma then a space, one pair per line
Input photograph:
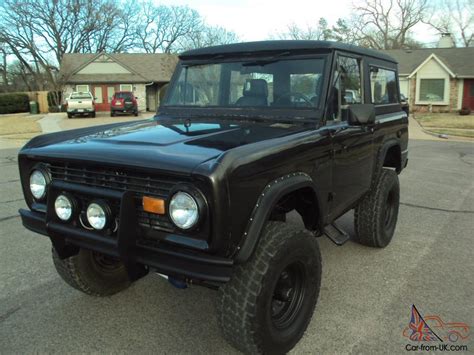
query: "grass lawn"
19, 126
445, 120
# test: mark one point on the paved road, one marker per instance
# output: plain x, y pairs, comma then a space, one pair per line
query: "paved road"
365, 298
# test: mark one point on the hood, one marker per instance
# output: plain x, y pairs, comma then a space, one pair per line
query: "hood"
177, 145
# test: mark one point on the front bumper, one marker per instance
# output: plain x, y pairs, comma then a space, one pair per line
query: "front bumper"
133, 252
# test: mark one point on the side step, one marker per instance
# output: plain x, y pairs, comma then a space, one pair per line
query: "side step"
336, 234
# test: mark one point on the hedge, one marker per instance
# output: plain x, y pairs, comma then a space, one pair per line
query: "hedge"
13, 103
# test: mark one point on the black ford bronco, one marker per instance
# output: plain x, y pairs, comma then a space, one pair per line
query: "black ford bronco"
246, 134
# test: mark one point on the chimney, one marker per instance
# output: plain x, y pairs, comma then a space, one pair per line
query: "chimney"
446, 40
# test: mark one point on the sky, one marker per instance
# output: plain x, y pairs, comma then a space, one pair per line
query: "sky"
255, 20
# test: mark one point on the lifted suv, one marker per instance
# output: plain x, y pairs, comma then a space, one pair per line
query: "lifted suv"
247, 133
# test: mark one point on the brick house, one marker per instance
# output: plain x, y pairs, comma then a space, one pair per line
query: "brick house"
103, 74
440, 77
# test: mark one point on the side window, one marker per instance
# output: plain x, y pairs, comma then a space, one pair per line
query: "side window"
383, 86
348, 87
351, 92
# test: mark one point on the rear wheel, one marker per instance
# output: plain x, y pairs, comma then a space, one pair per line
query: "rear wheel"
268, 304
69, 115
112, 113
136, 113
93, 114
376, 214
93, 273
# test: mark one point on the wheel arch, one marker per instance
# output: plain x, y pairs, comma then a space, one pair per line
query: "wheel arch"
390, 156
275, 191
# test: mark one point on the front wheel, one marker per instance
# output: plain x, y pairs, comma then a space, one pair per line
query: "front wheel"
376, 214
268, 304
93, 273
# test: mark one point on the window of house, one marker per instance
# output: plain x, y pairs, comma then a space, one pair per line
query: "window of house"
126, 87
383, 86
432, 89
82, 88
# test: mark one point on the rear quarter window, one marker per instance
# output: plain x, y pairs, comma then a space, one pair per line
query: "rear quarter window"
383, 86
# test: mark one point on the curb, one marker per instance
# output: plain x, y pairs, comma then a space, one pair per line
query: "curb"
443, 136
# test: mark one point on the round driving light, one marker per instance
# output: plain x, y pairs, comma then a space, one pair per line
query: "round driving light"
63, 207
96, 216
38, 184
183, 210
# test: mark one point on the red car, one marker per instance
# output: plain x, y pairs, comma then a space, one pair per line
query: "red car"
123, 102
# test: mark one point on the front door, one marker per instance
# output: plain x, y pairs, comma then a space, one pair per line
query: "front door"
468, 97
102, 97
352, 145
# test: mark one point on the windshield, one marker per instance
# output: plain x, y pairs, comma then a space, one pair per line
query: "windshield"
295, 83
123, 95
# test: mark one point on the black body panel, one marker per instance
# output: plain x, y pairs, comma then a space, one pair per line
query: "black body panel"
242, 161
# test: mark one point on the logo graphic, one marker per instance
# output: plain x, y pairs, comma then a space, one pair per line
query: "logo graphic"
433, 328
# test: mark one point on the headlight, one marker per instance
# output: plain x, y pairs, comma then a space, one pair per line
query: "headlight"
63, 207
183, 210
38, 183
97, 215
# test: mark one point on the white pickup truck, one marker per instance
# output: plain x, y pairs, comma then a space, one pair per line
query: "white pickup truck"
80, 103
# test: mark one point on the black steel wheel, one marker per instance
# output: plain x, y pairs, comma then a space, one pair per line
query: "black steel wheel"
288, 295
268, 304
376, 215
93, 273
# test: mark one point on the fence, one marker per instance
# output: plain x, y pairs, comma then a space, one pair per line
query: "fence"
41, 97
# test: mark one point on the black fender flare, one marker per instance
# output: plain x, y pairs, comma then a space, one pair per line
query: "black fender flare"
385, 146
270, 195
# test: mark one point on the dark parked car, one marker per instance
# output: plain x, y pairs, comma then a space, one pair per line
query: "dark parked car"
123, 102
246, 134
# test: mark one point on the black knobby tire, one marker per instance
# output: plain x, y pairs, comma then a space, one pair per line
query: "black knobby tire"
260, 310
92, 273
376, 214
69, 115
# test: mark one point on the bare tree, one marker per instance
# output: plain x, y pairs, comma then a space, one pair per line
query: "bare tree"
39, 32
162, 27
319, 32
455, 17
208, 36
387, 24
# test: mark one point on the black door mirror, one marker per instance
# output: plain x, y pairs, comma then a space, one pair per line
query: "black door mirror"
361, 114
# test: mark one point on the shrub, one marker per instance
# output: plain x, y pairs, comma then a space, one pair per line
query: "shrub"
13, 103
465, 111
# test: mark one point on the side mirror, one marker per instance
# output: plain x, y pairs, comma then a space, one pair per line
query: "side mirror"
361, 114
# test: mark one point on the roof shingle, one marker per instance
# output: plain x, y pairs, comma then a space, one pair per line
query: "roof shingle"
459, 60
145, 67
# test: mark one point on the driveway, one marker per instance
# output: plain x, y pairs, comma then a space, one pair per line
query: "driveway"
366, 294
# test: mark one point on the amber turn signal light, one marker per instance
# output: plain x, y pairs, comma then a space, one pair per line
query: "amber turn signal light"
153, 205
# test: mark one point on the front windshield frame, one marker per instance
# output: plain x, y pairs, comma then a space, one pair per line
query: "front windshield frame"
303, 112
